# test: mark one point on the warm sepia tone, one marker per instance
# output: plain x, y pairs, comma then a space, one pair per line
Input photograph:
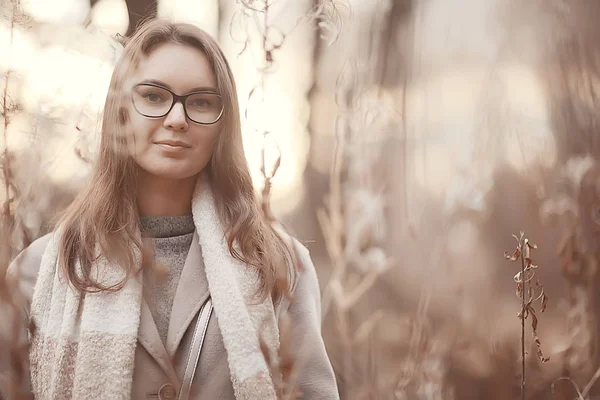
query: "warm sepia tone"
409, 141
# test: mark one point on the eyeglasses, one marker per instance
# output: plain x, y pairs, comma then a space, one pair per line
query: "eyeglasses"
154, 101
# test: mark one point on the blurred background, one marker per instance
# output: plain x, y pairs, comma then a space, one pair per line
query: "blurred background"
416, 137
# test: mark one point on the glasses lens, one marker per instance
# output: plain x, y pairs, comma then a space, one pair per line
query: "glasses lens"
151, 101
204, 108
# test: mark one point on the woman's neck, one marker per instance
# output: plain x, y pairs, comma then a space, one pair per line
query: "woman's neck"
162, 197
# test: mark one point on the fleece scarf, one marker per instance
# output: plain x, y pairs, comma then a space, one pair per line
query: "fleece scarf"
90, 354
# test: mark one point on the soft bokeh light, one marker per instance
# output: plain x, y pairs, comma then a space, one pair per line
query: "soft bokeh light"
64, 167
448, 130
61, 80
204, 14
20, 133
275, 116
57, 11
111, 16
20, 55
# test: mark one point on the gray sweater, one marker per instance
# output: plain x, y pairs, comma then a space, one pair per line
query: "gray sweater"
171, 240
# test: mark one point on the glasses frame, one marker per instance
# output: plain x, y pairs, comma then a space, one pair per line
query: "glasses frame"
179, 99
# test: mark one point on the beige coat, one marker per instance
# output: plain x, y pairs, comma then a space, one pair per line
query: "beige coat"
153, 365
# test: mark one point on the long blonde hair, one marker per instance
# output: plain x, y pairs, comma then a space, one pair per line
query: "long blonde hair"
105, 212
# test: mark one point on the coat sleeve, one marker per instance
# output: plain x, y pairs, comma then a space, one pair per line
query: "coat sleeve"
22, 271
316, 378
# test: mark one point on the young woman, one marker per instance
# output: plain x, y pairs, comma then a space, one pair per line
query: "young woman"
171, 171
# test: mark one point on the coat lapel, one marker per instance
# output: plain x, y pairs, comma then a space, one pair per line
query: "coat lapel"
149, 338
192, 292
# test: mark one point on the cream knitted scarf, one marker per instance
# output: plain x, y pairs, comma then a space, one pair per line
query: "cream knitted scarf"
91, 356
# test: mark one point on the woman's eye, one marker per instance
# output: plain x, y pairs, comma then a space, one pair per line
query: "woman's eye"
201, 103
153, 97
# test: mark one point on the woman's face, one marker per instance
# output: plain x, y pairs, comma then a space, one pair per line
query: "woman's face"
173, 146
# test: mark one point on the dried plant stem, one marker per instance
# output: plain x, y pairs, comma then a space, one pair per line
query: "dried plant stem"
351, 298
13, 349
524, 283
332, 225
533, 293
580, 396
283, 364
5, 114
267, 180
590, 384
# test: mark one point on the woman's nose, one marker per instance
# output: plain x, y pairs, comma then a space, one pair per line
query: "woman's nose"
176, 118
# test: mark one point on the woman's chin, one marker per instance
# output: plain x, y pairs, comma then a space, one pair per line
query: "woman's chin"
171, 173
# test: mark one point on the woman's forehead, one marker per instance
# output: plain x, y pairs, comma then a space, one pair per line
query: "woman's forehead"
181, 68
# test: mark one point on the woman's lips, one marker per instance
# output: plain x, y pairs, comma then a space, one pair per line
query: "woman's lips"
171, 147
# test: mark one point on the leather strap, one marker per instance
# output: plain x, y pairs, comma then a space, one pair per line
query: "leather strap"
195, 348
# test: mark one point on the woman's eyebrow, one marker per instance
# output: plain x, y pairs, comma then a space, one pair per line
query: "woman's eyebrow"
163, 84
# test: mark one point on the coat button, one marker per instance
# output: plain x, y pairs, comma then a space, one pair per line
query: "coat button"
167, 392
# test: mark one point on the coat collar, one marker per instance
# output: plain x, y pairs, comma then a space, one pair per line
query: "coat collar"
192, 292
149, 338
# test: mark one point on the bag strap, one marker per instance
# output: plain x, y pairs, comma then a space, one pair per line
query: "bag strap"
195, 348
